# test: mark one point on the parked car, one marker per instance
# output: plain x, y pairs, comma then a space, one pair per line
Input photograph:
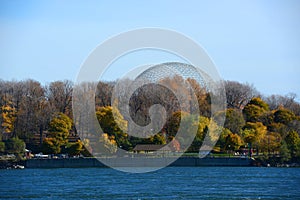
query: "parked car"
40, 155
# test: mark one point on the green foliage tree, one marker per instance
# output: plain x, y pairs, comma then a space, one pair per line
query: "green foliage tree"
75, 148
249, 136
255, 109
284, 116
222, 140
15, 146
284, 152
234, 120
173, 123
2, 147
279, 128
200, 125
267, 118
293, 142
270, 143
233, 142
51, 146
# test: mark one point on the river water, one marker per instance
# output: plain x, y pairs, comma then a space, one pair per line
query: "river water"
168, 183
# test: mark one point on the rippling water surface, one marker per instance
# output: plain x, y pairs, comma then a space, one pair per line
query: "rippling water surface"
168, 183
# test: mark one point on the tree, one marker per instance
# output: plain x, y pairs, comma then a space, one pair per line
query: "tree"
259, 129
150, 94
190, 125
15, 145
166, 97
75, 148
202, 125
87, 149
104, 93
238, 94
267, 118
59, 128
34, 114
173, 123
31, 109
284, 152
260, 103
110, 122
8, 118
278, 128
43, 114
249, 136
234, 120
157, 139
294, 126
2, 147
293, 142
202, 97
255, 109
233, 142
253, 133
229, 140
284, 116
271, 142
287, 101
59, 94
222, 140
109, 142
51, 146
23, 97
12, 95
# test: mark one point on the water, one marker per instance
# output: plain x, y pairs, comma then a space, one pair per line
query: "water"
169, 183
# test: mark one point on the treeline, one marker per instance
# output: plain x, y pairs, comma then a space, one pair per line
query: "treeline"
41, 117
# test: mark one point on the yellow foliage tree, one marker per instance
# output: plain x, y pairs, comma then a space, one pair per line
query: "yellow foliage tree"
8, 117
109, 143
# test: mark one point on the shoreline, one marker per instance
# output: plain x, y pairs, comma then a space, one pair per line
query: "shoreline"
137, 161
90, 162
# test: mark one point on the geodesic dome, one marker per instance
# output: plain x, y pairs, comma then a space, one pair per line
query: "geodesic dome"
171, 69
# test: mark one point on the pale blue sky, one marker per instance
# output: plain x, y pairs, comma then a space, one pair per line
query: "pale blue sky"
250, 41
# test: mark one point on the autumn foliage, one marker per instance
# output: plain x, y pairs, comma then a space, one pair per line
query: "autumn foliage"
41, 116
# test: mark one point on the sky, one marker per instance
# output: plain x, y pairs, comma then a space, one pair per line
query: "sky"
256, 42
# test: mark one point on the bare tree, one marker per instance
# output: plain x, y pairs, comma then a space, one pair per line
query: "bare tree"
27, 97
288, 101
238, 94
59, 94
104, 93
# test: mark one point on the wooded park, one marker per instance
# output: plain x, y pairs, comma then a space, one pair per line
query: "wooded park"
40, 117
